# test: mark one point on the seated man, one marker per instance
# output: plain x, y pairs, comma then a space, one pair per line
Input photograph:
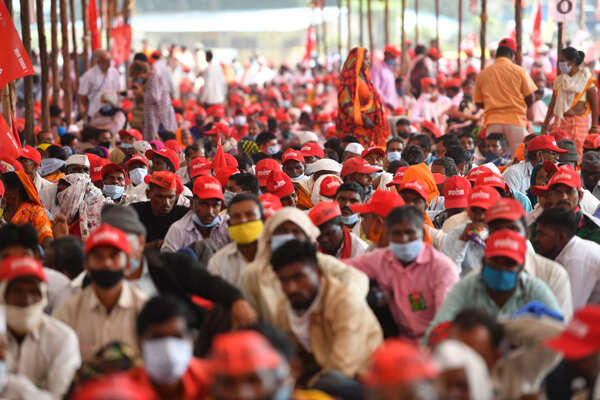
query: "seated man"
374, 213
500, 288
348, 194
322, 314
415, 275
335, 238
113, 183
280, 185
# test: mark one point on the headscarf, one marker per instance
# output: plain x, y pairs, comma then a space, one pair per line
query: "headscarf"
29, 187
349, 117
452, 354
84, 198
422, 173
316, 195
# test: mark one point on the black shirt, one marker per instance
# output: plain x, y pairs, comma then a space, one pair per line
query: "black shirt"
157, 225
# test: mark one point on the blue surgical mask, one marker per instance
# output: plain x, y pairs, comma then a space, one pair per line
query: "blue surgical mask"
498, 279
308, 168
564, 67
394, 156
273, 149
350, 219
199, 223
375, 175
278, 240
228, 195
135, 265
298, 178
126, 145
400, 92
240, 120
391, 63
61, 130
406, 252
113, 191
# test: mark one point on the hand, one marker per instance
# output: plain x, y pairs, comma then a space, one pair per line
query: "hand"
242, 314
471, 226
60, 227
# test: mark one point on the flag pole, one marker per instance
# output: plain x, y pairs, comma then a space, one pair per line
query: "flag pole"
519, 29
28, 80
483, 32
349, 2
460, 23
66, 81
43, 64
370, 28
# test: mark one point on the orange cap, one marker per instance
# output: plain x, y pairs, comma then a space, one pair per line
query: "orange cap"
324, 211
243, 352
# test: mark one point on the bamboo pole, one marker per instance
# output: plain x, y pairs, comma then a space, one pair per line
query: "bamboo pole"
43, 64
561, 33
8, 91
370, 28
360, 24
519, 29
66, 81
85, 36
75, 54
403, 64
416, 22
460, 23
483, 32
349, 2
28, 80
386, 16
55, 50
339, 28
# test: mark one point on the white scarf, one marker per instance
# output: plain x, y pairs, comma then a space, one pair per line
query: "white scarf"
567, 87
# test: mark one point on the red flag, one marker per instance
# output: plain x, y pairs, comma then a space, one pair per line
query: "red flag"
311, 43
93, 21
219, 161
10, 149
473, 6
536, 35
14, 61
15, 130
120, 47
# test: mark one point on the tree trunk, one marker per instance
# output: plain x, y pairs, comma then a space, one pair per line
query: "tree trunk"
370, 28
483, 31
403, 63
416, 22
75, 54
8, 91
85, 36
44, 65
55, 50
66, 81
324, 24
386, 17
349, 2
581, 14
28, 80
519, 29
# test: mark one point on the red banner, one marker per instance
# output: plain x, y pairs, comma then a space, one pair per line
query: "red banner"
10, 148
536, 35
93, 21
120, 46
14, 61
310, 45
473, 6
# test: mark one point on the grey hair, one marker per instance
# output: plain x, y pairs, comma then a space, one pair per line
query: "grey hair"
590, 157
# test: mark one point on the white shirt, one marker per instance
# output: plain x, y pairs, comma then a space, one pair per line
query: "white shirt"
589, 203
359, 246
46, 191
228, 263
136, 194
214, 89
518, 176
162, 69
581, 259
94, 83
48, 356
539, 109
184, 232
59, 288
300, 323
455, 221
426, 110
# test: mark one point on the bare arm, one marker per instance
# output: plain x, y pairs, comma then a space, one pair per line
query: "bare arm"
592, 96
529, 101
549, 114
85, 102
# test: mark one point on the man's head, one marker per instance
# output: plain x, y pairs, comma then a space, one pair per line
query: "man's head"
480, 200
208, 201
413, 155
45, 137
107, 253
18, 240
590, 169
563, 189
423, 142
393, 149
414, 194
162, 192
543, 148
359, 171
374, 156
327, 216
444, 142
113, 179
405, 232
267, 143
77, 164
279, 184
163, 160
496, 144
246, 218
467, 142
374, 212
554, 228
293, 163
295, 263
65, 255
30, 159
571, 157
507, 48
503, 261
509, 214
102, 59
348, 194
462, 158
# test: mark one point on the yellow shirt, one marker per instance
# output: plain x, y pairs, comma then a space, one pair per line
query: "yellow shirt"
502, 88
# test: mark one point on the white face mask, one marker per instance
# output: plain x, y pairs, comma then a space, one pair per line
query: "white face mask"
25, 319
137, 175
166, 359
278, 240
240, 120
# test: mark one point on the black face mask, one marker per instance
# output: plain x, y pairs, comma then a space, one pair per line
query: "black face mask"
106, 278
108, 110
105, 144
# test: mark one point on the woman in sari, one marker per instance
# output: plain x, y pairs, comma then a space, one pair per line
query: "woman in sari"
575, 96
360, 110
80, 203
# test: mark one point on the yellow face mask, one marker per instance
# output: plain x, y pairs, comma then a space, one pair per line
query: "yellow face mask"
246, 232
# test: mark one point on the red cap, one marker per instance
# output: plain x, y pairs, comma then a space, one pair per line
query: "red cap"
373, 149
391, 49
329, 186
592, 141
399, 177
217, 111
323, 117
356, 165
581, 338
208, 187
199, 166
32, 154
17, 266
427, 82
164, 179
431, 127
312, 149
471, 70
324, 211
452, 83
415, 186
505, 208
264, 168
483, 197
243, 352
506, 243
475, 172
1, 189
565, 175
137, 158
438, 178
165, 153
279, 184
110, 167
120, 385
490, 179
173, 145
218, 127
331, 132
223, 174
456, 192
107, 235
509, 43
96, 165
284, 117
544, 142
271, 204
134, 133
382, 202
399, 361
291, 154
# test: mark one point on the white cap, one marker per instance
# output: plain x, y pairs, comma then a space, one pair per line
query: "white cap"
493, 167
355, 148
326, 164
141, 147
307, 136
78, 159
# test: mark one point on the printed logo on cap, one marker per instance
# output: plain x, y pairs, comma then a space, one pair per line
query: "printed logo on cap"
480, 195
492, 178
332, 184
506, 244
456, 192
288, 155
211, 186
264, 173
562, 176
105, 236
279, 184
306, 148
20, 263
578, 328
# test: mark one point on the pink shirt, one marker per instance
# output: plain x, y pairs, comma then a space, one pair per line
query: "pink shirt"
417, 291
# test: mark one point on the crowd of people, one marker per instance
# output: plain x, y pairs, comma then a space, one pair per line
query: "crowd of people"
380, 229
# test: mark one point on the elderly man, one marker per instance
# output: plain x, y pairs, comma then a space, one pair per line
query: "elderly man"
31, 159
99, 79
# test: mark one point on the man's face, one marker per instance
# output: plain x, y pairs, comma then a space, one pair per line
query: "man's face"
418, 144
477, 214
346, 155
45, 137
265, 146
395, 146
106, 257
243, 211
467, 143
290, 201
29, 166
331, 238
561, 195
104, 137
438, 169
403, 128
494, 147
160, 164
23, 291
503, 263
311, 159
362, 179
346, 198
253, 128
454, 384
191, 154
115, 178
441, 149
293, 168
77, 169
547, 155
16, 250
590, 172
104, 62
479, 339
128, 139
405, 232
412, 198
162, 200
285, 126
207, 209
300, 283
427, 89
547, 241
374, 159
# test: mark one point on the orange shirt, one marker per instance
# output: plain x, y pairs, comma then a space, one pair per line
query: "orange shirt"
502, 88
36, 216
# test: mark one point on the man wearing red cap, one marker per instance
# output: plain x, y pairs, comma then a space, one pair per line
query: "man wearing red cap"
279, 184
358, 170
29, 332
500, 288
31, 160
383, 77
374, 212
455, 200
106, 310
430, 105
113, 179
406, 268
203, 221
505, 92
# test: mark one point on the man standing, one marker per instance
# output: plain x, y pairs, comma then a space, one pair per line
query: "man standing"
384, 79
505, 91
99, 79
214, 89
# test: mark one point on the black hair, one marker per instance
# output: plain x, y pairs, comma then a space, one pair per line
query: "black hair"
499, 137
209, 55
294, 251
352, 187
590, 157
97, 151
277, 338
67, 139
166, 135
467, 82
403, 121
247, 197
395, 165
413, 155
393, 140
504, 52
18, 235
335, 145
420, 49
449, 140
470, 318
68, 255
140, 57
160, 309
423, 140
248, 182
11, 181
459, 155
192, 147
90, 133
256, 157
334, 221
264, 137
405, 213
560, 219
244, 161
573, 54
271, 124
448, 164
349, 139
54, 151
55, 110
